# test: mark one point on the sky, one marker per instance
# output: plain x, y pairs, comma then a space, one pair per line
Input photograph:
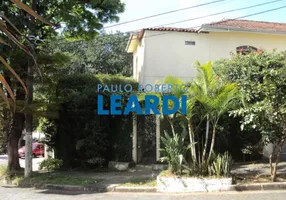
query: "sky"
135, 9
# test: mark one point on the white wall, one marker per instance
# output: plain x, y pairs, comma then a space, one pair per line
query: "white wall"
138, 61
165, 53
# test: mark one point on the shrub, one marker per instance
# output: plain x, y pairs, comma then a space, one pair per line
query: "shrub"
50, 164
221, 166
175, 151
79, 136
3, 170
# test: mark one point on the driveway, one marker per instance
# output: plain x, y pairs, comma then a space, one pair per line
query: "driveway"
36, 161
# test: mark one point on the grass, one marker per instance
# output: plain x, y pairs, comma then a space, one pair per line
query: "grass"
3, 170
44, 178
40, 179
141, 182
167, 173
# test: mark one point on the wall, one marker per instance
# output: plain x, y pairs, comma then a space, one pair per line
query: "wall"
138, 61
165, 53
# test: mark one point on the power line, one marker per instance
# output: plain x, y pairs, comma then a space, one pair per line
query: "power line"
164, 13
219, 13
241, 17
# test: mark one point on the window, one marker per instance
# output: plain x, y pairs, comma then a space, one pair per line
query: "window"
190, 43
246, 49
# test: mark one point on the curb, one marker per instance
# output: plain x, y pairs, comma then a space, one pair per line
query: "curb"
134, 189
114, 188
111, 188
117, 188
78, 188
258, 186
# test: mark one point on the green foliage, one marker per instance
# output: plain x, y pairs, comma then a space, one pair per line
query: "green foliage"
3, 142
243, 145
80, 137
41, 179
221, 165
261, 79
3, 170
175, 150
84, 19
50, 164
214, 94
103, 55
209, 97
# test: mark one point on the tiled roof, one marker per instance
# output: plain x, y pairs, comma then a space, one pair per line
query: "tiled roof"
190, 30
249, 24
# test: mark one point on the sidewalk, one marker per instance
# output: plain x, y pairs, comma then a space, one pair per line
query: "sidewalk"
251, 179
110, 180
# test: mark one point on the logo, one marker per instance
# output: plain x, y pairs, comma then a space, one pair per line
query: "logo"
158, 99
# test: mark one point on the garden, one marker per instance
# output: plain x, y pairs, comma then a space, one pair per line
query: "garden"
249, 87
233, 108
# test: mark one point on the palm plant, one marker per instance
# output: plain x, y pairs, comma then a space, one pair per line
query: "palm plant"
178, 90
177, 85
216, 98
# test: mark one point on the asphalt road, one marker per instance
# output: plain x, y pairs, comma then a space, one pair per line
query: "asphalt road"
36, 161
12, 193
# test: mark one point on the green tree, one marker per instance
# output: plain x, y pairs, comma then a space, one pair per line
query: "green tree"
261, 80
103, 55
84, 20
209, 97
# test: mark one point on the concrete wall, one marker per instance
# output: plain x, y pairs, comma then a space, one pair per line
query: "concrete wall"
165, 53
138, 61
268, 150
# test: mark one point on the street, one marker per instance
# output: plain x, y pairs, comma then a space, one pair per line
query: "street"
36, 161
13, 193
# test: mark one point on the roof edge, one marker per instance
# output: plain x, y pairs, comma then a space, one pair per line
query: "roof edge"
228, 28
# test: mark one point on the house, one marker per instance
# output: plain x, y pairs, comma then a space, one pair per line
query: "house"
163, 51
158, 52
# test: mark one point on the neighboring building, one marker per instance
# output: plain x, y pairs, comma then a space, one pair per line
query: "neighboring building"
158, 52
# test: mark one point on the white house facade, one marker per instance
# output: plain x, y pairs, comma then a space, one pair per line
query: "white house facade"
158, 52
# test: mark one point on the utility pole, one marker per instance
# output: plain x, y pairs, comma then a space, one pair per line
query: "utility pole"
29, 113
29, 123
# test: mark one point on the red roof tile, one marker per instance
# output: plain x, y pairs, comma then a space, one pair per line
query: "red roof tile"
248, 24
190, 30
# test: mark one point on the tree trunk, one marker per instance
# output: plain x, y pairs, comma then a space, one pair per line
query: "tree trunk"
206, 142
271, 159
274, 176
29, 124
13, 137
29, 114
213, 141
172, 125
192, 141
14, 130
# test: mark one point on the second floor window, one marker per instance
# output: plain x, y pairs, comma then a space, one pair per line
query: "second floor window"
245, 49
